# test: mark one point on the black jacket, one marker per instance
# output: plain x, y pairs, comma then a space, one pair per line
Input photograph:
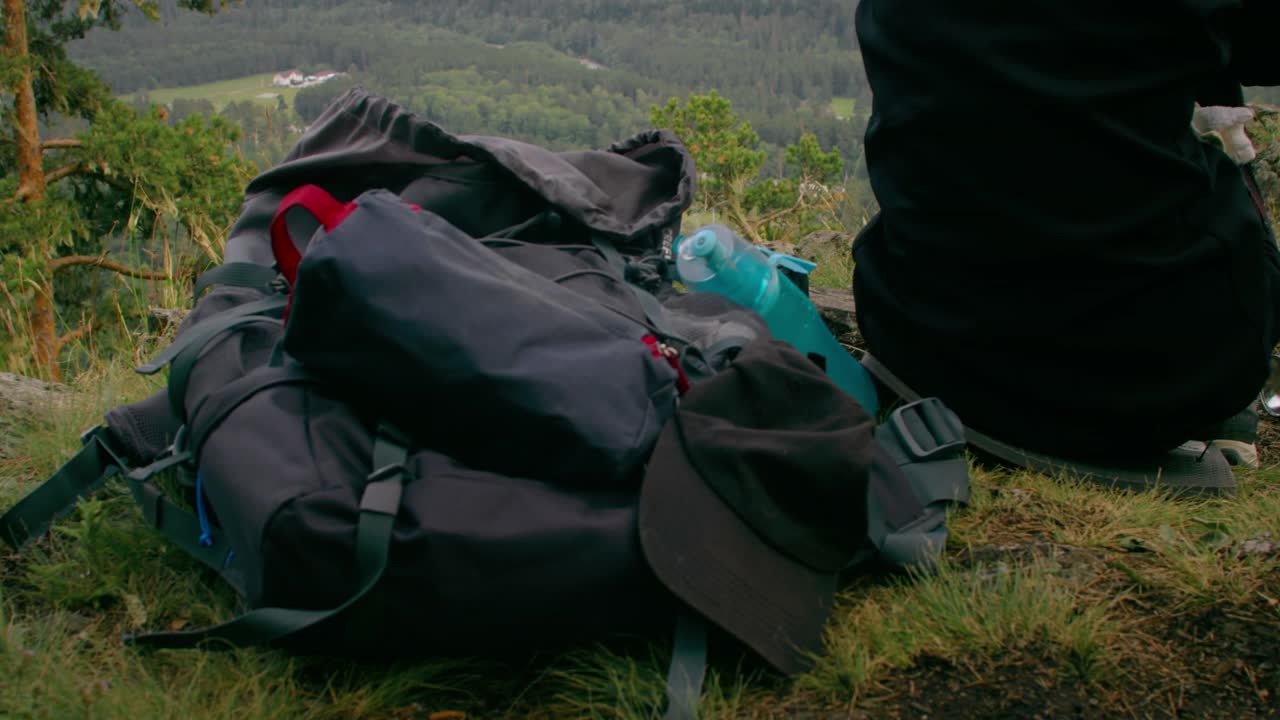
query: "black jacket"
1058, 256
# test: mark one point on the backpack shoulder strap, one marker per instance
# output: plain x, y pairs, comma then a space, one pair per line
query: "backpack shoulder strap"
96, 462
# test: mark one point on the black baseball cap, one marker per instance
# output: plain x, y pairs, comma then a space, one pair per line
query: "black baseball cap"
755, 498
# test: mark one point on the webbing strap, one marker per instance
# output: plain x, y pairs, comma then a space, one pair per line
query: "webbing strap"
945, 481
179, 526
921, 473
32, 516
611, 255
654, 311
925, 440
378, 508
688, 667
184, 351
208, 415
203, 331
918, 445
235, 274
185, 363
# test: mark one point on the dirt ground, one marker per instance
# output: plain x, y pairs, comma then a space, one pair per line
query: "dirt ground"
1225, 667
1225, 661
1225, 664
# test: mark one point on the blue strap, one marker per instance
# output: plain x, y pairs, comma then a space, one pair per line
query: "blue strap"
190, 532
202, 515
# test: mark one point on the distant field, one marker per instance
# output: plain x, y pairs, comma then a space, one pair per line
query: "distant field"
224, 91
842, 107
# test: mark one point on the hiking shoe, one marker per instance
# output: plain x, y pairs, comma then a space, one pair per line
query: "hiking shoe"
1237, 438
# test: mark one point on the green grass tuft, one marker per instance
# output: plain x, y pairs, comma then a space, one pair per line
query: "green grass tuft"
956, 611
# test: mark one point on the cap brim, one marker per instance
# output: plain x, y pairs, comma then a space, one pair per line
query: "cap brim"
704, 554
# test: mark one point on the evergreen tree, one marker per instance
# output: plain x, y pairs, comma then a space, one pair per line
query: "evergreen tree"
73, 202
724, 148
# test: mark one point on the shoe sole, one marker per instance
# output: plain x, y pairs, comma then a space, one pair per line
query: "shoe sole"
1238, 452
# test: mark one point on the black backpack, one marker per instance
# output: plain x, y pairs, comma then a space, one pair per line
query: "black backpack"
440, 450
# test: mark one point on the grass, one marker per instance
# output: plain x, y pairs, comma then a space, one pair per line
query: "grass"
834, 264
842, 107
223, 92
1045, 584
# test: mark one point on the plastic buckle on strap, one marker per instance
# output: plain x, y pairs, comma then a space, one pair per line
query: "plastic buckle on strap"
177, 454
102, 435
279, 284
96, 431
927, 429
164, 463
387, 472
382, 494
151, 501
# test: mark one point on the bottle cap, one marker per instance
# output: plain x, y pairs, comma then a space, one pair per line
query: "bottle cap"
693, 255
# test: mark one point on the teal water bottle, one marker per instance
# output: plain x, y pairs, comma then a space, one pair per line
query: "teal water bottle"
716, 259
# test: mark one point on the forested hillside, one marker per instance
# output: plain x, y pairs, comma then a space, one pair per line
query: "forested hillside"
561, 72
564, 73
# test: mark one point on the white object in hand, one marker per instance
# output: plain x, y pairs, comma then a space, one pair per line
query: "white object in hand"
1228, 124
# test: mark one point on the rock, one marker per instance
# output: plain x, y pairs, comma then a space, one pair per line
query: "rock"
1262, 544
20, 397
162, 320
836, 306
785, 248
1075, 564
823, 243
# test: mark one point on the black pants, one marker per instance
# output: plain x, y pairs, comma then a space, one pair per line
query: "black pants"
1080, 356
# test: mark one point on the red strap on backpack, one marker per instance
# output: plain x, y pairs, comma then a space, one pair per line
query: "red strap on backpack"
315, 200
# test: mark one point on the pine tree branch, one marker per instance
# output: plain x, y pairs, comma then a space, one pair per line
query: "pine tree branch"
100, 262
25, 191
79, 332
799, 205
75, 334
54, 176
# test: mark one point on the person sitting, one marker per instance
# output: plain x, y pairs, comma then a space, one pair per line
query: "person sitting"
1057, 254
